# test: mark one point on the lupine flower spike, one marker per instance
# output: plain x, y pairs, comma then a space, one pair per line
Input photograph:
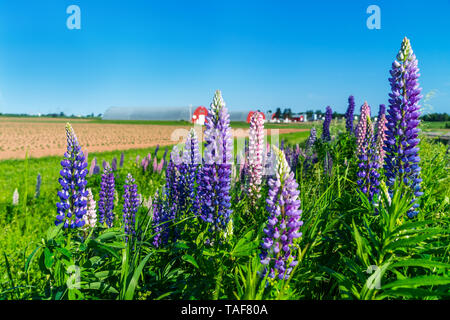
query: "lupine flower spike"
72, 205
90, 218
326, 124
216, 173
380, 135
188, 174
130, 206
255, 156
37, 193
284, 222
106, 201
15, 198
349, 114
368, 160
402, 160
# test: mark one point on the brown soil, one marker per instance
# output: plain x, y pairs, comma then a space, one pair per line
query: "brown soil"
49, 139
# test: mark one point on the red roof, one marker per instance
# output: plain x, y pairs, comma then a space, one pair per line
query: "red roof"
199, 111
250, 114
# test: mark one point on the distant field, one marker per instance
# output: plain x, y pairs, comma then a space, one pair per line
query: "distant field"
45, 136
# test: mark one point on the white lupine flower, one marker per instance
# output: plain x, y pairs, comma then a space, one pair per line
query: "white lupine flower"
15, 198
90, 217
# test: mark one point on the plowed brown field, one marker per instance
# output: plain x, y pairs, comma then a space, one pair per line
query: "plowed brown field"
46, 137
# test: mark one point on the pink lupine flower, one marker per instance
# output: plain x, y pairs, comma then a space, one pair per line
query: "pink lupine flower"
255, 156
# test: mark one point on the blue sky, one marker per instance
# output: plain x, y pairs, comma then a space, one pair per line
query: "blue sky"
261, 54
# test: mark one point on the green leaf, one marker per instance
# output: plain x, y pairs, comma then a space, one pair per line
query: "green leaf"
100, 286
414, 293
181, 245
412, 241
245, 245
64, 252
418, 281
421, 263
31, 257
191, 260
129, 294
48, 258
53, 231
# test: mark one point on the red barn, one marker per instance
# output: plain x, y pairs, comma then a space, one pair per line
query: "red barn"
250, 114
199, 116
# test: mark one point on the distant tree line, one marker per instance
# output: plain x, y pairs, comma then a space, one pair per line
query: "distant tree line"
50, 115
436, 117
287, 113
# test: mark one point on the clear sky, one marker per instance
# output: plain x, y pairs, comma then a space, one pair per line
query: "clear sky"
261, 54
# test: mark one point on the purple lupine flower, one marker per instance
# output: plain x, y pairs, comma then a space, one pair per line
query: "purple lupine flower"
311, 140
106, 199
326, 124
73, 204
216, 172
380, 136
402, 160
157, 221
165, 208
160, 222
37, 193
130, 206
188, 174
114, 164
156, 151
309, 148
92, 167
122, 157
105, 164
349, 114
244, 167
96, 169
368, 162
255, 156
328, 164
165, 155
284, 222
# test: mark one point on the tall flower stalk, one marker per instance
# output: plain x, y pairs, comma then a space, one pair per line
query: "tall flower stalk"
189, 173
37, 192
72, 205
130, 206
380, 135
368, 164
90, 217
349, 114
216, 171
106, 201
402, 159
326, 125
255, 156
284, 222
